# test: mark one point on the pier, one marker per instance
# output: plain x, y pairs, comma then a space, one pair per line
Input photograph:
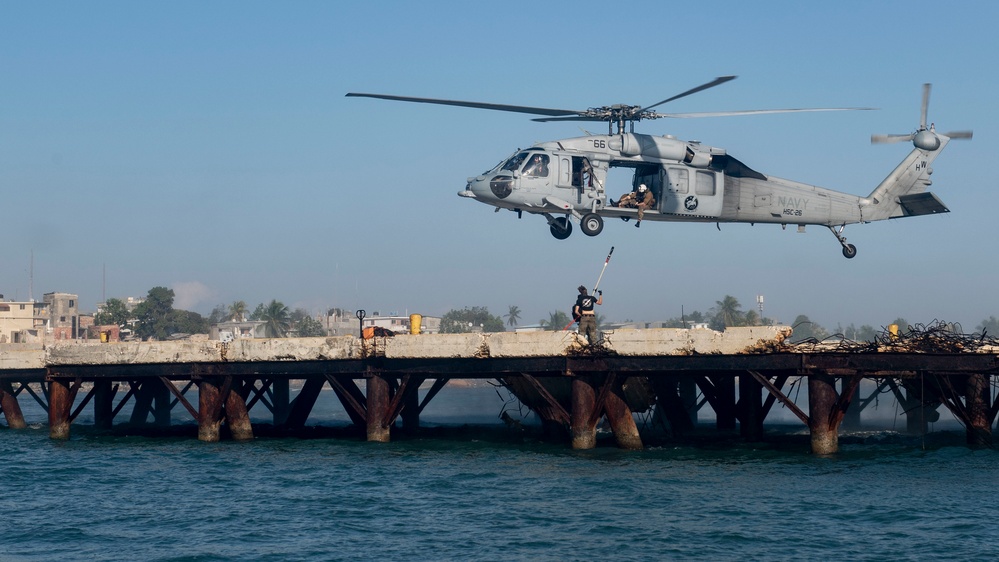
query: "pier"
670, 374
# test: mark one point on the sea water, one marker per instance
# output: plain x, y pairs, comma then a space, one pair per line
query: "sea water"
495, 494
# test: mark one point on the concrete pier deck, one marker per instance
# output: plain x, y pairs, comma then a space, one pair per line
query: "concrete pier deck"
556, 374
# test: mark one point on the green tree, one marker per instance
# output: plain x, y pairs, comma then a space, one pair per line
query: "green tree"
218, 314
114, 312
237, 311
513, 315
187, 322
805, 329
556, 321
726, 313
866, 333
462, 321
153, 315
309, 327
278, 319
988, 327
258, 313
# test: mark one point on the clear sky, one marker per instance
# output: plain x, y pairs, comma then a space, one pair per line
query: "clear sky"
208, 147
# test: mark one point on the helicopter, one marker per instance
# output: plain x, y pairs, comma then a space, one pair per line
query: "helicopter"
565, 179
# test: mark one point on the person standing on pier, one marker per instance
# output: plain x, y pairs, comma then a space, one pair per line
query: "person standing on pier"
584, 314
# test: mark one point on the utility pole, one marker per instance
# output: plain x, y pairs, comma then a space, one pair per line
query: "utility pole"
759, 302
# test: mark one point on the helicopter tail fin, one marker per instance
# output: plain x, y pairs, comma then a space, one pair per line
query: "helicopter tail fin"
903, 193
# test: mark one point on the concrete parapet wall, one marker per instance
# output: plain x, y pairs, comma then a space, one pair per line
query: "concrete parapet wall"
530, 344
293, 349
676, 341
663, 341
434, 345
22, 356
127, 353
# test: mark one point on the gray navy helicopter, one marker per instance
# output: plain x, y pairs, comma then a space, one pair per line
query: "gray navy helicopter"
691, 182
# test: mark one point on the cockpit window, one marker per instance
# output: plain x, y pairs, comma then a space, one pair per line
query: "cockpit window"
514, 162
537, 166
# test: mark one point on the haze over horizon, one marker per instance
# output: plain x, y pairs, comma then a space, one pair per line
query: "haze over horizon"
209, 148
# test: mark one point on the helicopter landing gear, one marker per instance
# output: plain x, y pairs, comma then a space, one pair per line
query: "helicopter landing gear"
591, 224
849, 250
561, 227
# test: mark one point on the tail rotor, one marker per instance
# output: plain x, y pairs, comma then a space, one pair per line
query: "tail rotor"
923, 138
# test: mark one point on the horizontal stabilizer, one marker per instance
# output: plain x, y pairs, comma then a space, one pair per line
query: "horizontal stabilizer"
921, 204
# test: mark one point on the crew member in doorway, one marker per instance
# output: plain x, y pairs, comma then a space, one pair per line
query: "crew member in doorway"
641, 199
583, 313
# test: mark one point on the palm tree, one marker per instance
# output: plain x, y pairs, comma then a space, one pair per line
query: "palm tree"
513, 315
278, 319
727, 311
237, 311
556, 321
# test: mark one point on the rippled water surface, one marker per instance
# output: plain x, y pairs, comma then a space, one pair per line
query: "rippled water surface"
101, 497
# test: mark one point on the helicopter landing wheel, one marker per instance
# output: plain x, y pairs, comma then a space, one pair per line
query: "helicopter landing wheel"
561, 228
591, 224
849, 250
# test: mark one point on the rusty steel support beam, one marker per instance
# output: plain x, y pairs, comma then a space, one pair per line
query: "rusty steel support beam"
849, 385
143, 403
161, 405
378, 408
750, 408
237, 417
777, 394
851, 417
172, 388
396, 404
82, 405
351, 398
434, 389
724, 403
977, 395
671, 406
620, 417
687, 388
411, 406
132, 386
209, 410
822, 401
104, 393
280, 400
60, 404
11, 409
778, 386
259, 394
554, 412
302, 405
584, 406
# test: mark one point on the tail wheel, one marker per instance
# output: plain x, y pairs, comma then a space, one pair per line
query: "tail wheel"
592, 224
561, 228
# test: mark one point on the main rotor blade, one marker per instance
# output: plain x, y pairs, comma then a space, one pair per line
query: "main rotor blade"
926, 105
478, 105
887, 139
711, 84
569, 118
759, 111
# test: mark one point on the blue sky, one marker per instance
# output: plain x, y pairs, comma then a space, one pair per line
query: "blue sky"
209, 148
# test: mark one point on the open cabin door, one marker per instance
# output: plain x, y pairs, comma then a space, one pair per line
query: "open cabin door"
576, 179
692, 192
